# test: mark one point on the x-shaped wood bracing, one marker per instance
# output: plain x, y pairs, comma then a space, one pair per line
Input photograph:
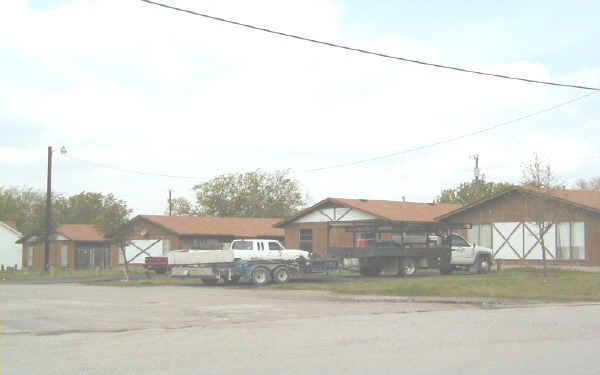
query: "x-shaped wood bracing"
142, 251
538, 241
506, 240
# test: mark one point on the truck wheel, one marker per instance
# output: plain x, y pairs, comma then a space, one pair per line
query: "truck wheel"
210, 281
483, 265
370, 270
260, 276
281, 275
408, 267
234, 280
446, 270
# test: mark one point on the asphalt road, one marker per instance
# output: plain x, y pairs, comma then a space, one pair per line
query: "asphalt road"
74, 329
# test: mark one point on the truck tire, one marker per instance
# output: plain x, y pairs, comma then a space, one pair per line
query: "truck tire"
234, 280
370, 270
408, 267
260, 276
446, 269
281, 275
210, 281
483, 265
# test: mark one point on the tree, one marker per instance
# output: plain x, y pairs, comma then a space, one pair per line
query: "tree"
181, 206
251, 194
469, 192
539, 175
542, 179
591, 184
115, 224
23, 206
82, 208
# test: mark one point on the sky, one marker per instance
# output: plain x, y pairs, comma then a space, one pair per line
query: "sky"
137, 93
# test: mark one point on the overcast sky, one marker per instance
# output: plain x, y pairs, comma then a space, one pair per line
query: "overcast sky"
140, 88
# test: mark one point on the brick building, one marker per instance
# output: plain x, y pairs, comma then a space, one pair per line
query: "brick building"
321, 226
506, 223
74, 246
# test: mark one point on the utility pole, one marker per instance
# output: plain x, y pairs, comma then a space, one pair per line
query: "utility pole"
170, 203
48, 212
476, 170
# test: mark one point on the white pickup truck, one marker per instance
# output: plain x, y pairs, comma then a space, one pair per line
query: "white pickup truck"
264, 249
466, 255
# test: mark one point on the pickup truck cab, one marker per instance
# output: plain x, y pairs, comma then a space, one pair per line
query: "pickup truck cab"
466, 255
251, 249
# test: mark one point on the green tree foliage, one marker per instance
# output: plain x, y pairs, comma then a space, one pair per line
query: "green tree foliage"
82, 208
115, 223
252, 194
25, 206
180, 206
469, 192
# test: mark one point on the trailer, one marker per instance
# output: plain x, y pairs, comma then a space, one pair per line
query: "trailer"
397, 248
259, 260
259, 272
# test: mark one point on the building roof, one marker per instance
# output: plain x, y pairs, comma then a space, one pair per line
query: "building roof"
245, 227
586, 199
387, 210
81, 232
75, 232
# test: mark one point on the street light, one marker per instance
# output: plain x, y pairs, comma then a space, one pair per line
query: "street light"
63, 150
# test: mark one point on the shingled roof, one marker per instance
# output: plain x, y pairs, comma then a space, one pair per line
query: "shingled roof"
76, 232
81, 232
384, 209
245, 227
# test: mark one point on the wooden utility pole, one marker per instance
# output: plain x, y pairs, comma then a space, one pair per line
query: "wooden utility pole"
48, 212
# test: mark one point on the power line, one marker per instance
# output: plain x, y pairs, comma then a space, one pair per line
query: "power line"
384, 55
406, 151
130, 171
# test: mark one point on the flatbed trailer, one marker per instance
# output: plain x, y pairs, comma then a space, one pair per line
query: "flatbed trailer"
260, 272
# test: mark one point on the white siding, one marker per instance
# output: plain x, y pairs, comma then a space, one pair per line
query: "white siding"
151, 247
334, 214
10, 252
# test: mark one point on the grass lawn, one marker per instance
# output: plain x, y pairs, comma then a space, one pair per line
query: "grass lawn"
33, 275
514, 283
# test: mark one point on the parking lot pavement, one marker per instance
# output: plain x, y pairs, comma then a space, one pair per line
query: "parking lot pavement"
74, 329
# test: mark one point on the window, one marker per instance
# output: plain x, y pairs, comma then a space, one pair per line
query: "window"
570, 241
275, 246
481, 234
458, 241
306, 239
242, 245
64, 256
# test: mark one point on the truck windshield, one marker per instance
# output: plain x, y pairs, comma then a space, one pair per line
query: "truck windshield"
242, 245
275, 246
459, 241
